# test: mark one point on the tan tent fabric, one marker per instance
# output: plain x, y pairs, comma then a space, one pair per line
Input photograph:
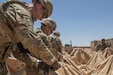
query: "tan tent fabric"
61, 71
107, 52
77, 62
105, 68
73, 52
69, 67
95, 61
80, 57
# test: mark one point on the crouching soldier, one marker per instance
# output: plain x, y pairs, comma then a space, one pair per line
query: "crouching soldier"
47, 28
16, 27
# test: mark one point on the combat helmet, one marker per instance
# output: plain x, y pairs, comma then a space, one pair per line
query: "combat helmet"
102, 39
47, 4
49, 22
56, 33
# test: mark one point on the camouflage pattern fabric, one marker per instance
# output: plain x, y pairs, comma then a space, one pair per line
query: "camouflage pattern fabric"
21, 25
43, 36
22, 54
56, 43
43, 66
47, 42
3, 70
101, 46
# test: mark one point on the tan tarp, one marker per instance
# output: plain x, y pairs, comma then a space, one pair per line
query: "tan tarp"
95, 61
101, 63
97, 65
105, 68
107, 52
69, 67
79, 56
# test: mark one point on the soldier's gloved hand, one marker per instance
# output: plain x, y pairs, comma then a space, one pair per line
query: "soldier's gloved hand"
43, 66
56, 65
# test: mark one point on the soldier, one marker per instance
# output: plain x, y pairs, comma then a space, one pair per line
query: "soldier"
47, 28
101, 45
56, 42
16, 27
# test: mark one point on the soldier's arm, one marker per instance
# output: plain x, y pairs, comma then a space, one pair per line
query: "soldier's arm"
44, 38
56, 53
22, 23
59, 44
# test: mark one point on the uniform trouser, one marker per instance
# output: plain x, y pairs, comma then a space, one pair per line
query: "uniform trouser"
3, 69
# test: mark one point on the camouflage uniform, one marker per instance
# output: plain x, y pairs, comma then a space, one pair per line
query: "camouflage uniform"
56, 42
3, 69
16, 26
47, 42
24, 55
101, 45
47, 27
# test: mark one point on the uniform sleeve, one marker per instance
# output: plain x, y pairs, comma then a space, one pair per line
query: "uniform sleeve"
44, 38
18, 16
46, 41
24, 33
56, 53
97, 47
59, 44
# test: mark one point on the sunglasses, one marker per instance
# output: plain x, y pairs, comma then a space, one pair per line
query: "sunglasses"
51, 29
45, 13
